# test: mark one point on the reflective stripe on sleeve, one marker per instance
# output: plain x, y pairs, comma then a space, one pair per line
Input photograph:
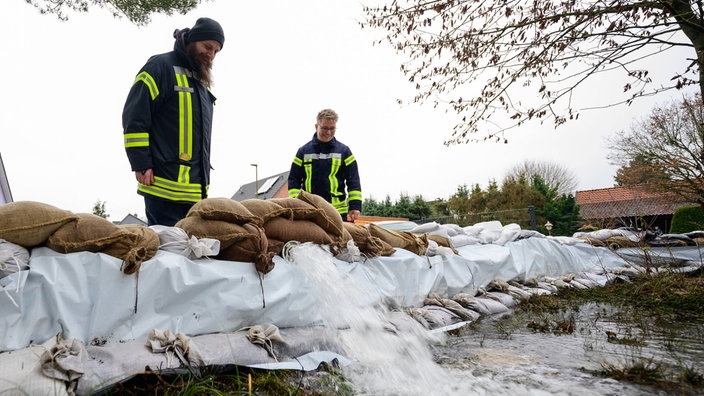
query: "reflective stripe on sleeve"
136, 139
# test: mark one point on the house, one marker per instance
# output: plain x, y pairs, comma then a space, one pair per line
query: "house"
629, 206
131, 219
5, 193
270, 187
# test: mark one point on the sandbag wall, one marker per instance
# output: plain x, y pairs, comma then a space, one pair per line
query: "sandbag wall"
253, 230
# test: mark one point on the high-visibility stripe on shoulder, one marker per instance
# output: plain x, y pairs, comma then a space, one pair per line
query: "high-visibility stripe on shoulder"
297, 161
136, 139
148, 80
349, 160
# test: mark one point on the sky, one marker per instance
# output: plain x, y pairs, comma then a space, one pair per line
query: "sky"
65, 84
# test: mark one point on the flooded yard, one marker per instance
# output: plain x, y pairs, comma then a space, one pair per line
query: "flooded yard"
566, 353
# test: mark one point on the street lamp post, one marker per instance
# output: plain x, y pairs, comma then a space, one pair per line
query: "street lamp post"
548, 226
256, 180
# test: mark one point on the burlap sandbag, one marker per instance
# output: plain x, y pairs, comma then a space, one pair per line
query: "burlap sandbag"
369, 245
223, 209
266, 209
275, 246
89, 233
330, 220
252, 249
225, 232
399, 239
148, 246
29, 223
93, 233
300, 210
286, 230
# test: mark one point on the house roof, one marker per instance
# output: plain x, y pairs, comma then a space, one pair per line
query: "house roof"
629, 201
132, 219
267, 187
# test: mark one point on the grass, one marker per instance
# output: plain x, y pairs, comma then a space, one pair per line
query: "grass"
326, 381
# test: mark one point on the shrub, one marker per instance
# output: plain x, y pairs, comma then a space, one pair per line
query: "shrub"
686, 219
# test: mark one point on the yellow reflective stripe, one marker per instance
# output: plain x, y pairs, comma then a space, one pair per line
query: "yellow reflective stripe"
349, 160
297, 161
293, 192
137, 139
308, 167
332, 177
184, 175
172, 190
355, 195
339, 205
185, 113
190, 188
168, 194
148, 80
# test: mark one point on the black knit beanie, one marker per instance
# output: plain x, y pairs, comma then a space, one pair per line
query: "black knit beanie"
206, 29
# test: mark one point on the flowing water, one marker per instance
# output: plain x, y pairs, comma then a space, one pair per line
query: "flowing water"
496, 355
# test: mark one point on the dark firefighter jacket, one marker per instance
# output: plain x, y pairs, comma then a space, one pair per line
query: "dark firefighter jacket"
327, 169
167, 122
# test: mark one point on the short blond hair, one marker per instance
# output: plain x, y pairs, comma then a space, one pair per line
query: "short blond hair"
327, 114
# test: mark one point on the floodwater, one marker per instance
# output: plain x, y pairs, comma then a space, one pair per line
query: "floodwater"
499, 354
511, 350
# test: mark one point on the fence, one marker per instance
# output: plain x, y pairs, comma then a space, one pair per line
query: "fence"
524, 217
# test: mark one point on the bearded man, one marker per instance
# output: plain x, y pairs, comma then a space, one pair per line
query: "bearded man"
167, 123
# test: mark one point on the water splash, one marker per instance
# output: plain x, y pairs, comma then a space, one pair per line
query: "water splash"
391, 351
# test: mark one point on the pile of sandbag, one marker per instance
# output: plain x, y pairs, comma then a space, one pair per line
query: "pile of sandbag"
31, 224
240, 232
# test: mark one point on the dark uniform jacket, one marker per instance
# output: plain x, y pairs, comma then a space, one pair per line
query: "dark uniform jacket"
327, 169
167, 122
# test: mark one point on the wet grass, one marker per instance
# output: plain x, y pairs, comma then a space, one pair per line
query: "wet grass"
650, 304
326, 381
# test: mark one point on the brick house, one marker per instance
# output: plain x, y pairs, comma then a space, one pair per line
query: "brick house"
632, 206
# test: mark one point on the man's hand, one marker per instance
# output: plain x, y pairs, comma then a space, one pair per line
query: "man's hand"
353, 215
145, 177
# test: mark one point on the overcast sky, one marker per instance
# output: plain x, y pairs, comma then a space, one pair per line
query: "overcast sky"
65, 84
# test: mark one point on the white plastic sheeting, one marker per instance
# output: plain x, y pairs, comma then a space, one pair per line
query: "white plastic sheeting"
85, 296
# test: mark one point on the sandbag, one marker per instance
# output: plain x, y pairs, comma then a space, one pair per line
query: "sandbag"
92, 233
300, 210
89, 233
223, 209
253, 248
330, 219
225, 232
29, 223
149, 240
369, 245
286, 230
414, 243
266, 209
